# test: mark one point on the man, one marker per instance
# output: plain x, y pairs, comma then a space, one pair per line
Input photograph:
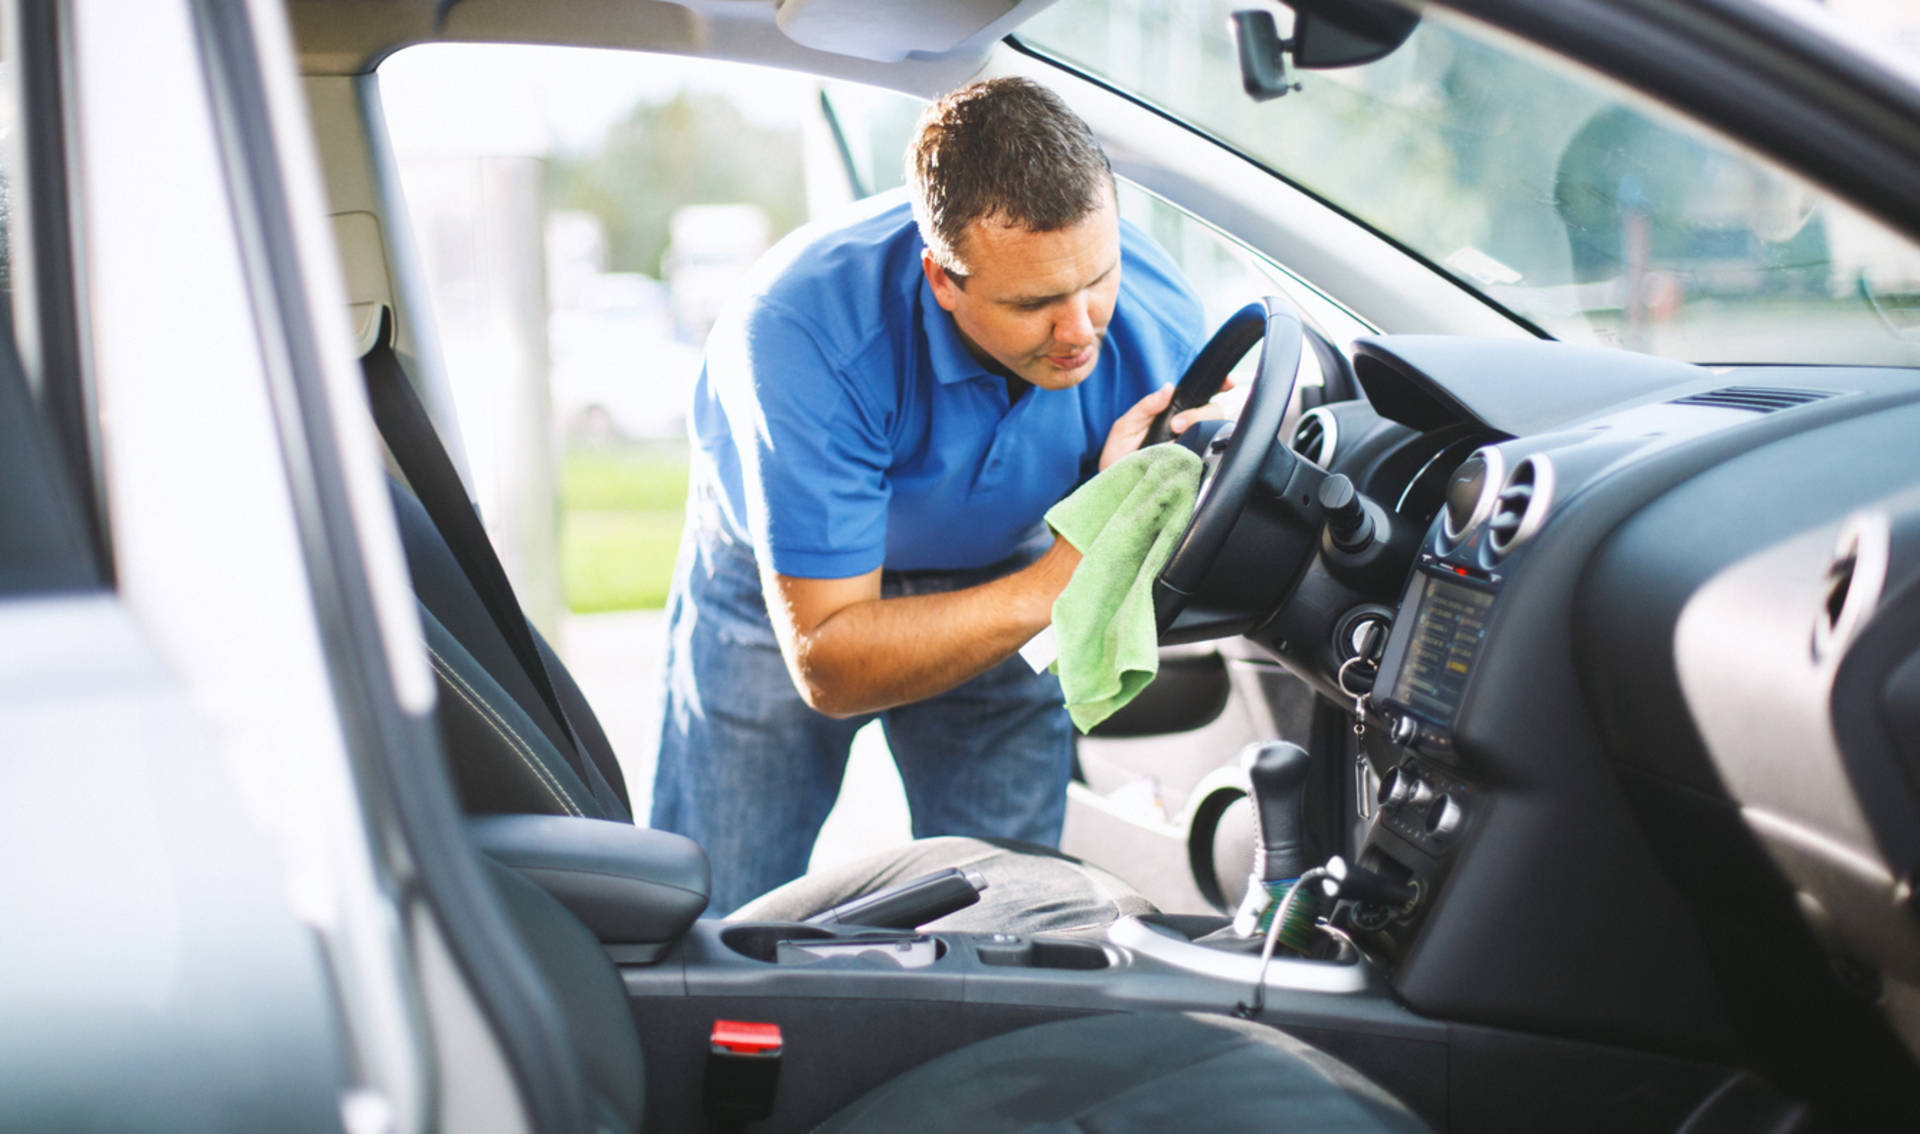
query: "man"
879, 428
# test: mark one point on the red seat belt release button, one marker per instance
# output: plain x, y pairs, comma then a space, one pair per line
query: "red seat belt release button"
737, 1037
743, 1072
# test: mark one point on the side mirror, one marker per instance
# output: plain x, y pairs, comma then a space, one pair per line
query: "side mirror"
1326, 34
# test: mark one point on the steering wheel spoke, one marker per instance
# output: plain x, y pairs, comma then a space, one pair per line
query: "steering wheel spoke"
1250, 539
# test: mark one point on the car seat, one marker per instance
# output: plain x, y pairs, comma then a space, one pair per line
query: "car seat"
521, 738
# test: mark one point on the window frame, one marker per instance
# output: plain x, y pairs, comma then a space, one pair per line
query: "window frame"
46, 260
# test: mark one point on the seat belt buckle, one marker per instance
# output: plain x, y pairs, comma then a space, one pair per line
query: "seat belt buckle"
743, 1072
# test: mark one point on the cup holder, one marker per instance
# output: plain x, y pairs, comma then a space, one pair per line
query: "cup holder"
761, 942
1045, 953
796, 943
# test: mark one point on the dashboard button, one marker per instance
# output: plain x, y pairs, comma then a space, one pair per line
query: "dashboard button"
1444, 816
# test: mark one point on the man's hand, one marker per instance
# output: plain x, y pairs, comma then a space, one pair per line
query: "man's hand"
1127, 433
852, 652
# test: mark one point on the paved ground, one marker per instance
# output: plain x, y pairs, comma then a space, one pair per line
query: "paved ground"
616, 660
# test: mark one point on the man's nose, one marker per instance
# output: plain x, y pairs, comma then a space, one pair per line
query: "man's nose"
1074, 326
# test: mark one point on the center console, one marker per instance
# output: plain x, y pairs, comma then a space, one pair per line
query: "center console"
857, 1007
1425, 801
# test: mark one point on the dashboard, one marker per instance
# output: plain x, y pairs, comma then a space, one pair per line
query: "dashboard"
1600, 743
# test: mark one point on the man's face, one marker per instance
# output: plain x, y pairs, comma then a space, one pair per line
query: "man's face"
1036, 303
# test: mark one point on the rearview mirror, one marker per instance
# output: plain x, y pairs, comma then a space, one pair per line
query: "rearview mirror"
1326, 34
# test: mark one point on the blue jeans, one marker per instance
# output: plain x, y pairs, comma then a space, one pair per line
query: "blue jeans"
749, 772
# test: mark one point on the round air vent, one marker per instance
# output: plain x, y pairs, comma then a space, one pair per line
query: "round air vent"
1470, 495
1521, 507
1316, 435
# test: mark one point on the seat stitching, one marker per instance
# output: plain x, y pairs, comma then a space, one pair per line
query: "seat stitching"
505, 731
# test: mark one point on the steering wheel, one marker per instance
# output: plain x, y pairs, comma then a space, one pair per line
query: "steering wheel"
1238, 455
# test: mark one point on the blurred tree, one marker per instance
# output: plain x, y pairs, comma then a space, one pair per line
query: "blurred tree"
695, 149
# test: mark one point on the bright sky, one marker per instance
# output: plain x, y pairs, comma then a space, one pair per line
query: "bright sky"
486, 98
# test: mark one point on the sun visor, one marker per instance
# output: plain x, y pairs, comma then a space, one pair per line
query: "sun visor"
887, 31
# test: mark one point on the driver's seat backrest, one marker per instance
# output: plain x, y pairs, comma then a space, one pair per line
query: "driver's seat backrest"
506, 749
500, 761
503, 747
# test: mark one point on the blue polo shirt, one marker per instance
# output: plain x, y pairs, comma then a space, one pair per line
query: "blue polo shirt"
840, 424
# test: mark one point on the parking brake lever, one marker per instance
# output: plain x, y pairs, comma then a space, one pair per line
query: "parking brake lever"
910, 904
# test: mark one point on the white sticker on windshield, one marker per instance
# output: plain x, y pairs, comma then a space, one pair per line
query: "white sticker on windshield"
1482, 267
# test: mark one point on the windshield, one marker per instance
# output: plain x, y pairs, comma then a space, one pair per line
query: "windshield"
1586, 211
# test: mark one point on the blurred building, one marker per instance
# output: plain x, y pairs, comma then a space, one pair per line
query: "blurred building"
712, 247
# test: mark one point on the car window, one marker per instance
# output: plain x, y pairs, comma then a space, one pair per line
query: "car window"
870, 129
1584, 210
1227, 276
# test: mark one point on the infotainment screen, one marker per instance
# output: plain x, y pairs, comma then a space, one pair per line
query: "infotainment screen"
1448, 624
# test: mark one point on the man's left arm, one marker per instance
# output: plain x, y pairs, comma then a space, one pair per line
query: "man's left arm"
852, 652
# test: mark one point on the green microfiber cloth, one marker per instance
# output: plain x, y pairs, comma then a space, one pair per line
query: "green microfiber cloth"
1125, 523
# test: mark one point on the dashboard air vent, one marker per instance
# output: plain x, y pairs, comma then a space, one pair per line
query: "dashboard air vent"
1759, 399
1470, 495
1315, 436
1856, 572
1522, 505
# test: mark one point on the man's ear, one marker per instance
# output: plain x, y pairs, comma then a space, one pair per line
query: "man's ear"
945, 288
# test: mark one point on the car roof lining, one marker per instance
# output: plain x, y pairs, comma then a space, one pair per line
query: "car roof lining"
346, 37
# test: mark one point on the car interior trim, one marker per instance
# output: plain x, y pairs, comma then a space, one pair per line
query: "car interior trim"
395, 750
50, 324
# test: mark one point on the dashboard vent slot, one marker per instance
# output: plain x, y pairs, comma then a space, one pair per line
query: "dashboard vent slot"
1315, 436
1758, 399
1856, 573
1522, 505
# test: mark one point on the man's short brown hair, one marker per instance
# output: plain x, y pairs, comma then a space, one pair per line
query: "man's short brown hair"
1006, 150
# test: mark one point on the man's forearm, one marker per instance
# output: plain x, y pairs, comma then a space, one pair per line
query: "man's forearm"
878, 653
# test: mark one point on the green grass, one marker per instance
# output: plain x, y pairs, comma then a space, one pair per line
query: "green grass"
620, 529
615, 480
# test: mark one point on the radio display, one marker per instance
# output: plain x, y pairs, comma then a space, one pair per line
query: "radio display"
1447, 629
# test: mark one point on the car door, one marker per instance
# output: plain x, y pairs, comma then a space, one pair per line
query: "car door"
159, 968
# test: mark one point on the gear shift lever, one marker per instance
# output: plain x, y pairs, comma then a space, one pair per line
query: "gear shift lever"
1277, 772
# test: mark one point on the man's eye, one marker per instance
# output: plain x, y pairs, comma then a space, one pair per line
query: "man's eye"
1032, 307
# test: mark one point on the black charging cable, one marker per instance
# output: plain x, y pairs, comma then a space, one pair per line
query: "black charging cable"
1337, 879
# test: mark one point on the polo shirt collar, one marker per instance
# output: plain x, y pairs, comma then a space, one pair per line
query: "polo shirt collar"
952, 361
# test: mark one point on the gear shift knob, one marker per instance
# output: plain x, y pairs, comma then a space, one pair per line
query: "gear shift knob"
1278, 773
